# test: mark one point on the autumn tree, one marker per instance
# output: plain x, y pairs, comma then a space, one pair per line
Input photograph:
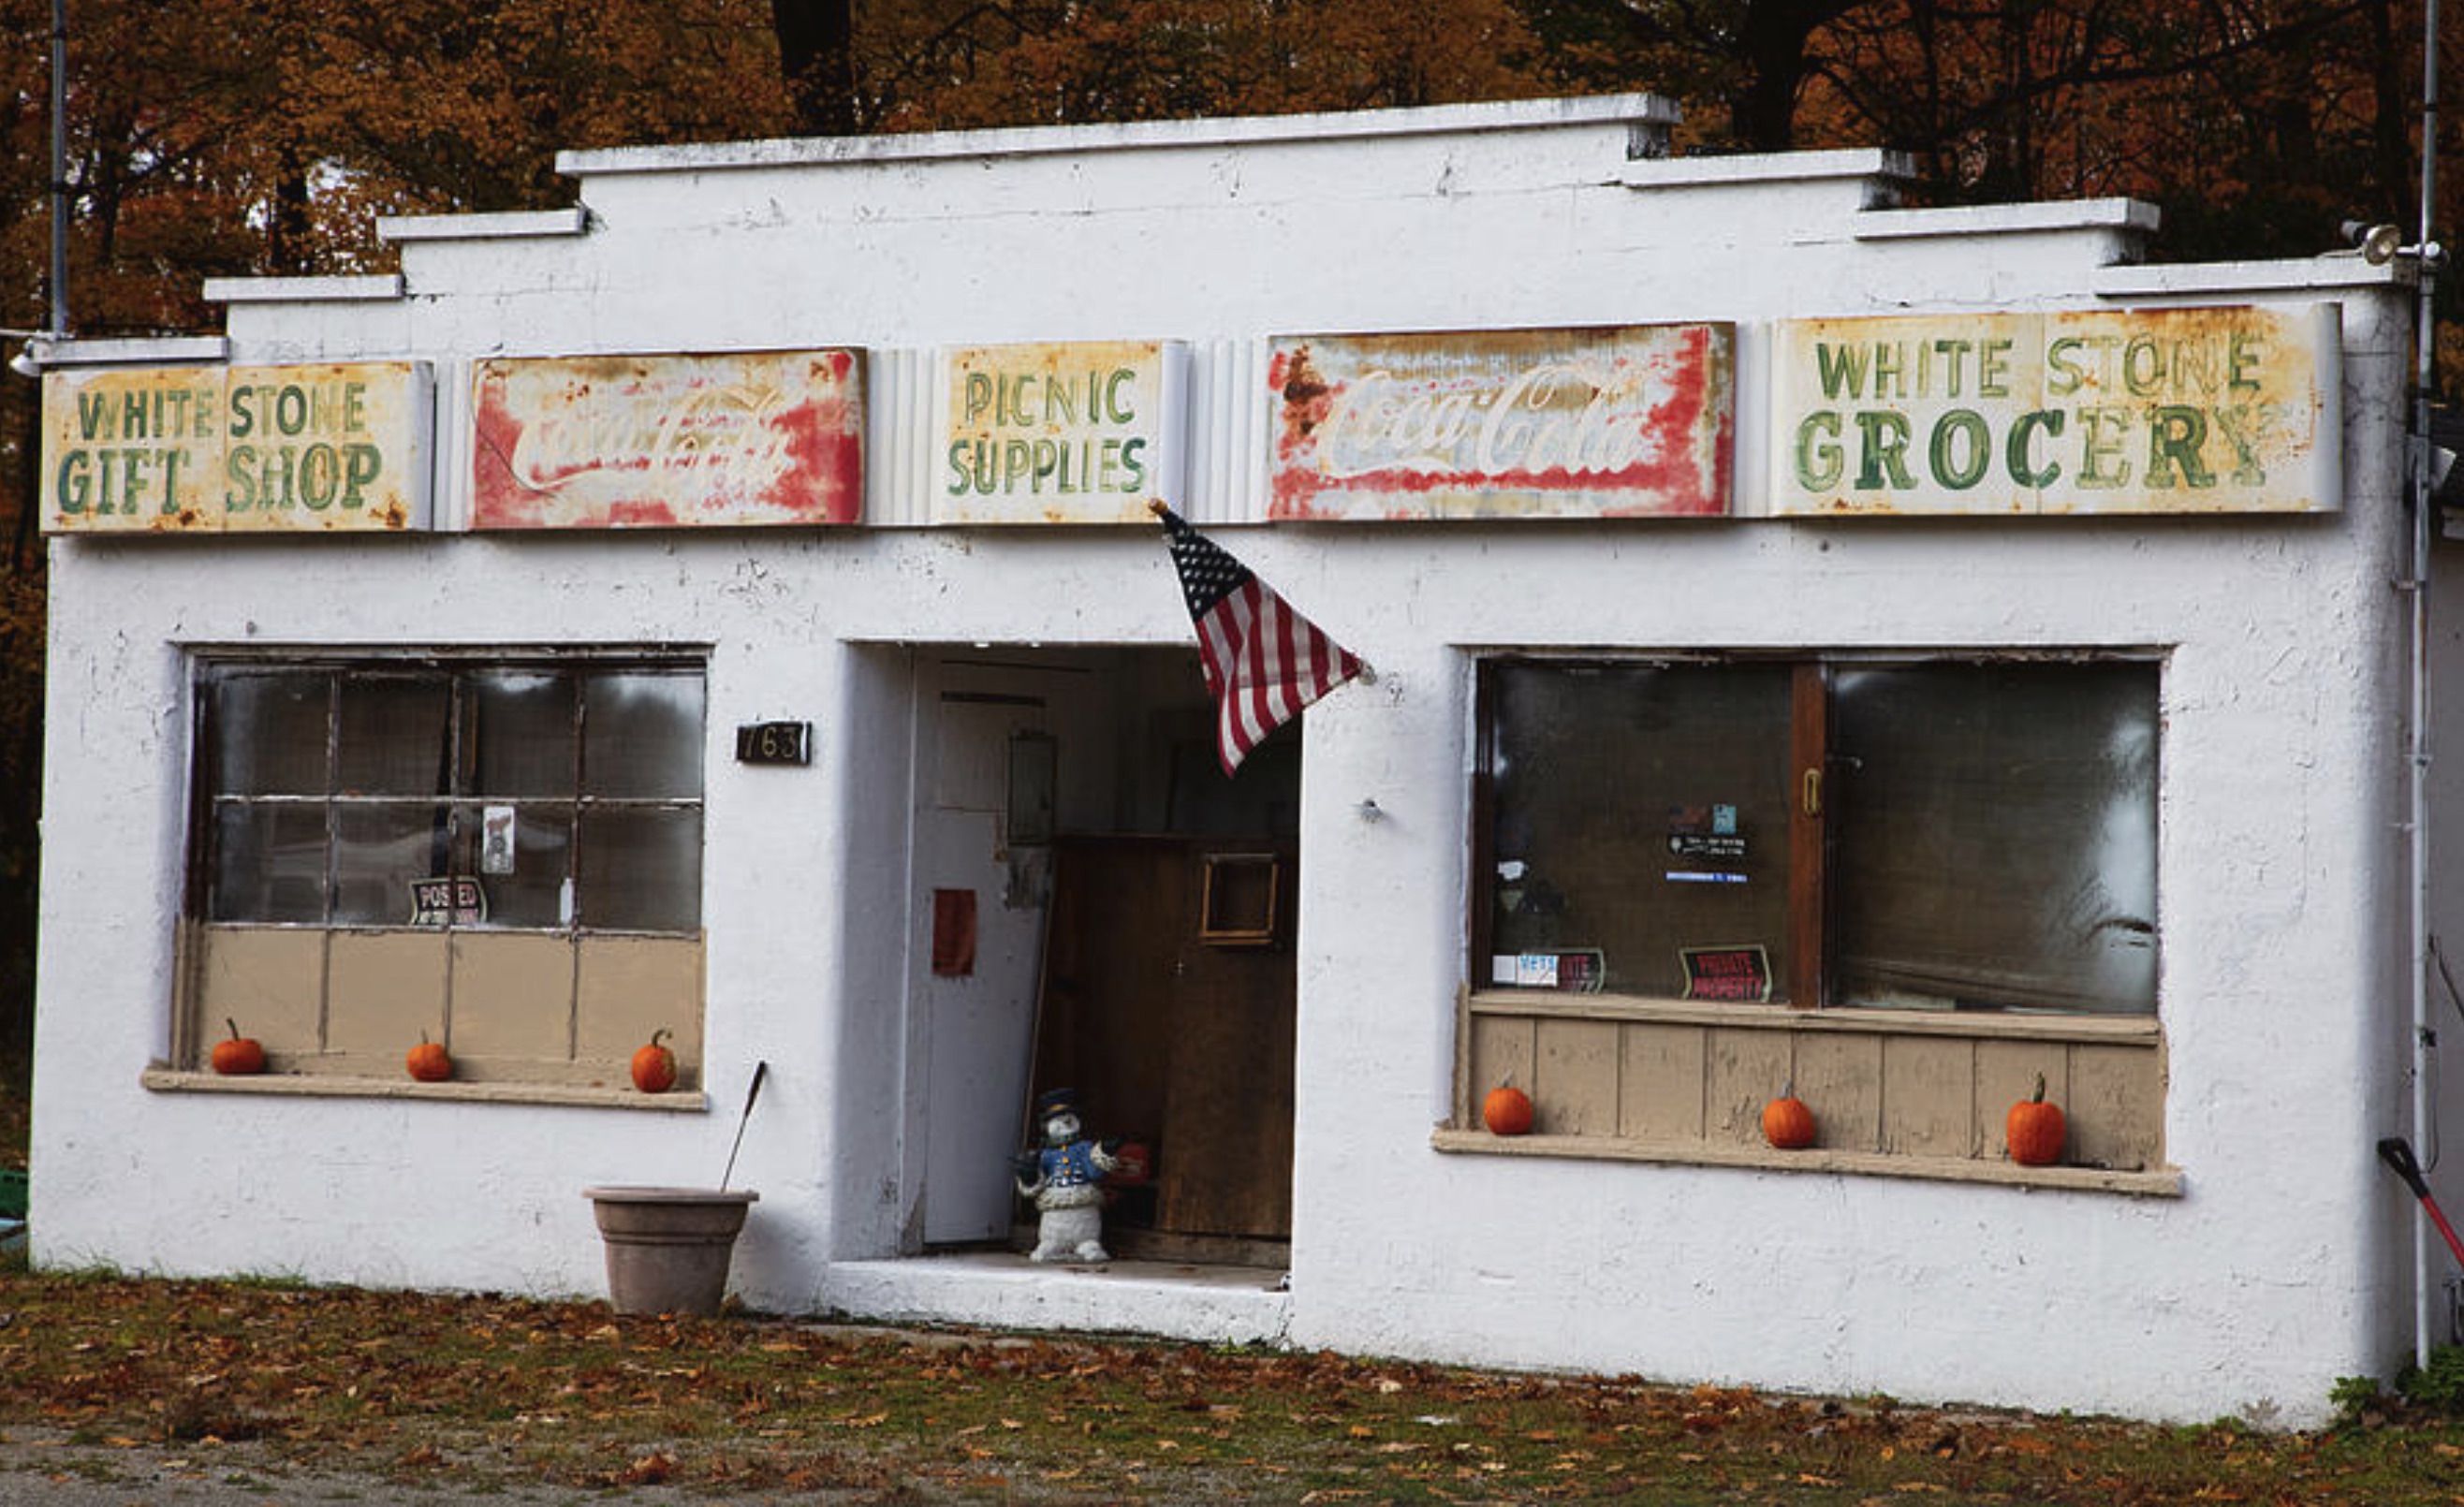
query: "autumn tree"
217, 137
2255, 124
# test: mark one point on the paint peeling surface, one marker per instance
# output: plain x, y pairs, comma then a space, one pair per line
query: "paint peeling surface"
1074, 433
1632, 421
631, 441
216, 449
2089, 411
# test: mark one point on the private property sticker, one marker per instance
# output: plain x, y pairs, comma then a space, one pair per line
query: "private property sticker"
1740, 974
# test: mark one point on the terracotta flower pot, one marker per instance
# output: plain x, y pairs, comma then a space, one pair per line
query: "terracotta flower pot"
669, 1247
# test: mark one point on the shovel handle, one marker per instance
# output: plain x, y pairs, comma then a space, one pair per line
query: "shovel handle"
2397, 1153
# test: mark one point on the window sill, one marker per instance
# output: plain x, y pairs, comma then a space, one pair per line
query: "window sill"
2155, 1183
304, 1085
1966, 1024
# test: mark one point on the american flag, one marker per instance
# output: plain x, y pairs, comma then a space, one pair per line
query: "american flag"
1264, 662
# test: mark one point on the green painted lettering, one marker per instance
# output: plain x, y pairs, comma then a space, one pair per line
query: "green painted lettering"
73, 487
320, 476
1842, 369
1963, 430
94, 416
361, 464
2241, 426
2018, 455
1881, 450
2175, 431
1819, 460
239, 484
2100, 448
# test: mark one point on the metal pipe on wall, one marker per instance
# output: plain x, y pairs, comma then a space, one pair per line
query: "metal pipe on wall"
60, 168
2417, 441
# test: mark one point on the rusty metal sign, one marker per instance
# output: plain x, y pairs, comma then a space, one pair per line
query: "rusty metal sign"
214, 449
633, 442
1613, 421
1080, 431
2089, 411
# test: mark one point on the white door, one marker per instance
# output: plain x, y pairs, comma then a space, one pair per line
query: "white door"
978, 944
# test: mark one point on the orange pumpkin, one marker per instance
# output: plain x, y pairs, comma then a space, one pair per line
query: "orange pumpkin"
240, 1055
2034, 1129
1788, 1124
655, 1066
1507, 1110
429, 1062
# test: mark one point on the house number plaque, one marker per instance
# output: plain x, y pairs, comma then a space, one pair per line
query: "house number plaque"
774, 743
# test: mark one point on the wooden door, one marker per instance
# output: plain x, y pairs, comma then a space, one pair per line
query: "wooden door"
1175, 1031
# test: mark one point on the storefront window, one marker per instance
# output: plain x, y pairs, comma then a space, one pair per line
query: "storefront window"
554, 806
1940, 835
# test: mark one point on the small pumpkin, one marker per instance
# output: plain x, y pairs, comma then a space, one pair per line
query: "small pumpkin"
1507, 1110
429, 1062
1788, 1123
654, 1065
2034, 1129
240, 1055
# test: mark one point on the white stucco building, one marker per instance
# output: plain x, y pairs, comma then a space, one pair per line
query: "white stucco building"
1894, 655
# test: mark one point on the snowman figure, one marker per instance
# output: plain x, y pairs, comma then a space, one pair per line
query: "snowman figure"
1065, 1178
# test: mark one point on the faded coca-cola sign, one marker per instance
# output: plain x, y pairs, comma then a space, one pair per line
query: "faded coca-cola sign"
1571, 422
668, 441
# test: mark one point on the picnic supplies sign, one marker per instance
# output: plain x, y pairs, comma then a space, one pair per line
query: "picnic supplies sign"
1077, 432
2089, 411
634, 442
1616, 422
212, 449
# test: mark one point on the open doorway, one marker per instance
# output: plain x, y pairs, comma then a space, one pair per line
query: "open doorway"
1099, 908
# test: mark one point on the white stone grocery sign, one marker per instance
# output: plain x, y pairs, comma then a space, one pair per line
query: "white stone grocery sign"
2092, 412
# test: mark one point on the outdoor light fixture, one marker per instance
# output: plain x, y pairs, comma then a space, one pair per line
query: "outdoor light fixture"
2378, 244
29, 360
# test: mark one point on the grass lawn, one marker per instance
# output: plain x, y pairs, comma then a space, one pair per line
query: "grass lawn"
469, 1390
474, 1391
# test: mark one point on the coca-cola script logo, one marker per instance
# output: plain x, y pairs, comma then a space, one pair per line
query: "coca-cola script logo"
1577, 423
616, 442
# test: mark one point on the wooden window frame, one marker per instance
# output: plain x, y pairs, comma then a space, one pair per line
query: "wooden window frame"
1611, 1054
597, 991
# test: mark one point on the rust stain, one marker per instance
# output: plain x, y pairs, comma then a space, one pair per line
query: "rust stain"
1600, 422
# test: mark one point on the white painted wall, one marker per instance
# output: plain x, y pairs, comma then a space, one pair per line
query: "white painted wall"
2283, 1264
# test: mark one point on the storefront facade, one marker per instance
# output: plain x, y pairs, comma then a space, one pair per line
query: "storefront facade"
1892, 656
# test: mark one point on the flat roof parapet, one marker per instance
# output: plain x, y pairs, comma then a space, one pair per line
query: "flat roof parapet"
2035, 218
511, 224
1648, 116
371, 288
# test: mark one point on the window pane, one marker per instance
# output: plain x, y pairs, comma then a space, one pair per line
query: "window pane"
522, 733
392, 739
1637, 810
641, 870
269, 863
522, 861
379, 850
642, 736
1994, 827
266, 733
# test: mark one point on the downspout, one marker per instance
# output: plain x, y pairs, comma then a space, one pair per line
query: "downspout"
2425, 259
